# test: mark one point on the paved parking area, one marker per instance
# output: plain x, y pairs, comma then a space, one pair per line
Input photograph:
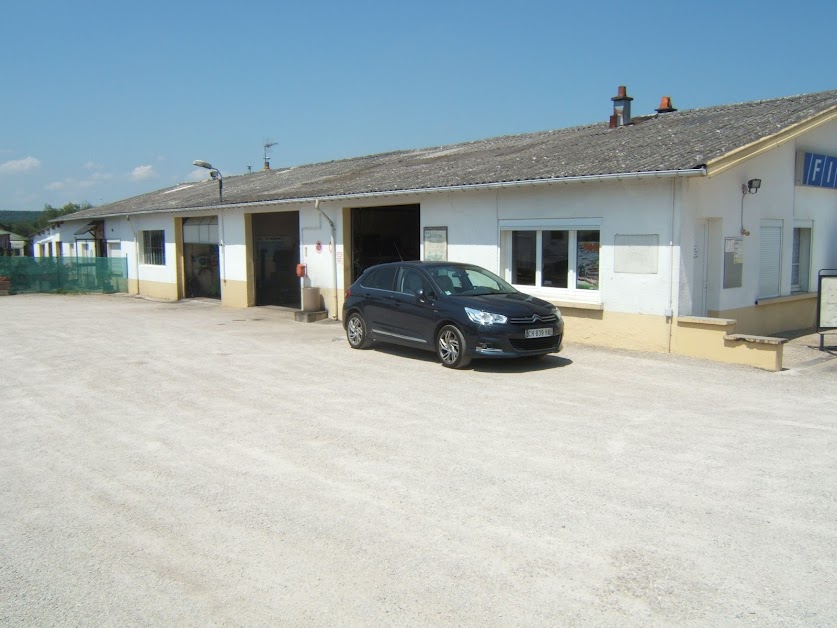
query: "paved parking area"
187, 464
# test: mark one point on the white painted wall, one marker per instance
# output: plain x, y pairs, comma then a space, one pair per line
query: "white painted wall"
819, 205
132, 245
45, 236
718, 198
628, 208
314, 227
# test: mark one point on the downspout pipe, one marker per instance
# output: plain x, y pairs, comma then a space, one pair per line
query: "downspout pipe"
333, 253
223, 248
675, 227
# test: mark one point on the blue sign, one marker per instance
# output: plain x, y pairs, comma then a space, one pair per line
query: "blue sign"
817, 170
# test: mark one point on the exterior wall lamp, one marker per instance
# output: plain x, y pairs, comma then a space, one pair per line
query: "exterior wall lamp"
214, 173
751, 187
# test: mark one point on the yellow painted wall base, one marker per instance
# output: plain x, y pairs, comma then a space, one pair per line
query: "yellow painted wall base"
763, 356
774, 315
638, 332
706, 338
153, 289
716, 339
236, 294
327, 300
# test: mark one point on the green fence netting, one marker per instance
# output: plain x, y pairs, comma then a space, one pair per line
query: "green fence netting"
65, 274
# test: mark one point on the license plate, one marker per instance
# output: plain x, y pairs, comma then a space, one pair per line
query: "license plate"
539, 333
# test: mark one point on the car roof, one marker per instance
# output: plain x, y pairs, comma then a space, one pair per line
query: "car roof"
424, 264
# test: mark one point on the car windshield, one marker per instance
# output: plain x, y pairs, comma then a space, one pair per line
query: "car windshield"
469, 281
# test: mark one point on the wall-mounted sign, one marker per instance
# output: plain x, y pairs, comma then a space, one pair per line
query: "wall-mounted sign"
816, 170
827, 300
435, 244
733, 262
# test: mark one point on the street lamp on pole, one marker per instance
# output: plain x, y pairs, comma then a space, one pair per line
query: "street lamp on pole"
214, 173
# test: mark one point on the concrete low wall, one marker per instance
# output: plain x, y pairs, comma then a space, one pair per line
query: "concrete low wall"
699, 337
771, 316
714, 339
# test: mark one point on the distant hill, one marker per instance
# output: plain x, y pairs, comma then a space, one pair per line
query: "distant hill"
26, 223
9, 217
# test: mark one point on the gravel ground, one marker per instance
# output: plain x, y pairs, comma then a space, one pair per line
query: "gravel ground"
187, 464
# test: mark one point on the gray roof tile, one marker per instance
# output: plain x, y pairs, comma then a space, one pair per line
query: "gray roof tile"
679, 140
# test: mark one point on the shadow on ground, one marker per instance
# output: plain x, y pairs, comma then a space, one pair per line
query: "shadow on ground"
483, 365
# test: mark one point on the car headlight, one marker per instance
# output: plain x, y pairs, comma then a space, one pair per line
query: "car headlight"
484, 318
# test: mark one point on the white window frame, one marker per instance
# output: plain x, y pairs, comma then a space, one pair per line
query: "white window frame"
804, 255
573, 226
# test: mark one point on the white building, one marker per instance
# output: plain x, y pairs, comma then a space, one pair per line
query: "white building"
12, 244
642, 229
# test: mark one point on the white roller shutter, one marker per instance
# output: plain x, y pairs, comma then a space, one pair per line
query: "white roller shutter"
770, 261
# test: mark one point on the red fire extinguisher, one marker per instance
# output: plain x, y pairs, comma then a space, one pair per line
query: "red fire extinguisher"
301, 270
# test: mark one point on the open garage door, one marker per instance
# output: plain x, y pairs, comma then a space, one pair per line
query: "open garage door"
384, 234
276, 238
200, 257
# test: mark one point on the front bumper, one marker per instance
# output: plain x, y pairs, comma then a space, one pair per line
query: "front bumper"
509, 341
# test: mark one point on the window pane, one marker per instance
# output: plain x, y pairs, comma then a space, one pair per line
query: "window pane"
523, 257
382, 278
154, 251
411, 281
801, 260
587, 261
795, 260
556, 255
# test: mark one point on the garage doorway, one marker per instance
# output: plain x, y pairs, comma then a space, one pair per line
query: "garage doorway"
384, 234
276, 254
201, 267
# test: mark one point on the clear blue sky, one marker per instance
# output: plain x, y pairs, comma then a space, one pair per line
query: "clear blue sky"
105, 100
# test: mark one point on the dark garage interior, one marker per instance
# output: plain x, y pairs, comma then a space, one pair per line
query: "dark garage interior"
276, 254
384, 234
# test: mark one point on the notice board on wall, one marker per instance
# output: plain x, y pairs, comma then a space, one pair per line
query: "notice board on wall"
733, 262
435, 244
827, 300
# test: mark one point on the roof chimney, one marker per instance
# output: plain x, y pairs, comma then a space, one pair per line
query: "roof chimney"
621, 108
665, 105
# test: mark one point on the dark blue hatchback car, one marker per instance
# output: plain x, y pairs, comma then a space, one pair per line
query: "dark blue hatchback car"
460, 311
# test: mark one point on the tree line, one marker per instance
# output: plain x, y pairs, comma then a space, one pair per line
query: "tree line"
27, 223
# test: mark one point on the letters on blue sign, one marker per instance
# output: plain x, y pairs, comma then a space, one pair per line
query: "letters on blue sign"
820, 171
830, 172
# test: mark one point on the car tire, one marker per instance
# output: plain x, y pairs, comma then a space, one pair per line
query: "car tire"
357, 333
451, 347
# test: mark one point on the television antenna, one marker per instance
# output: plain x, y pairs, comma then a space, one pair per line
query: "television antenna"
268, 144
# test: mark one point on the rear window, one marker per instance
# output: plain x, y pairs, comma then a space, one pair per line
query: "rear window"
381, 278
